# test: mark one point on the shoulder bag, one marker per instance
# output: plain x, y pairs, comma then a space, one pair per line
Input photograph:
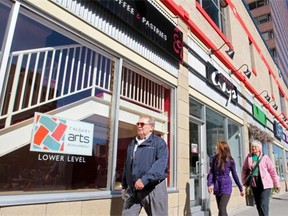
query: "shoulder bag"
249, 175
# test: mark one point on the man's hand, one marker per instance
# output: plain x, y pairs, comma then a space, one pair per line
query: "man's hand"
139, 185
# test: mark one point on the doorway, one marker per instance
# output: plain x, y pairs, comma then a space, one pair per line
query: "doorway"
197, 153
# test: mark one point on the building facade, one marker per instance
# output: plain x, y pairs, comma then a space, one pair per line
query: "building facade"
76, 75
271, 18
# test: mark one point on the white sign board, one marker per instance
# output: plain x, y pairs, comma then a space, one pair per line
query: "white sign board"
57, 135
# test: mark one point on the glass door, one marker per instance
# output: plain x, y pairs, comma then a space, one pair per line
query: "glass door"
195, 164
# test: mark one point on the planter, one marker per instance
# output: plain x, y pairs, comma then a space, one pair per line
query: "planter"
250, 200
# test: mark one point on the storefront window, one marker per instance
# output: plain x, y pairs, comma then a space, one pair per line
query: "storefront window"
279, 162
49, 71
234, 140
146, 96
215, 130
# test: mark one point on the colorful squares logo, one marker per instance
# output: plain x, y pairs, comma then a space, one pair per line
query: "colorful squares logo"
49, 133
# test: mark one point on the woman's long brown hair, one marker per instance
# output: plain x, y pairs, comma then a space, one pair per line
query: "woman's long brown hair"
224, 154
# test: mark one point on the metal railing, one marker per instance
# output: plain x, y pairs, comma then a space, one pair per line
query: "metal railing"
39, 77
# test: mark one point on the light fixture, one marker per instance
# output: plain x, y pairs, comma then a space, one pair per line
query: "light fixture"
274, 105
284, 118
247, 72
267, 97
223, 3
230, 52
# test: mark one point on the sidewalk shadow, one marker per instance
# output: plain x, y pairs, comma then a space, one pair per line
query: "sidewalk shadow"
279, 198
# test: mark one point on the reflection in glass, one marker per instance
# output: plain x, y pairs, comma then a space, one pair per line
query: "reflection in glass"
215, 130
234, 141
53, 172
49, 70
4, 14
127, 132
279, 162
195, 109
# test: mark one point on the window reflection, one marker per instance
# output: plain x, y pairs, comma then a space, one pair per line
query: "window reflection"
49, 70
127, 132
234, 140
4, 14
38, 172
215, 130
278, 154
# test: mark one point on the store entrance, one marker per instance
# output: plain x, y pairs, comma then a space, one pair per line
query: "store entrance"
196, 166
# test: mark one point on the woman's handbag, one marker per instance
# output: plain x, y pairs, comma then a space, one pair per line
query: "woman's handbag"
249, 175
249, 199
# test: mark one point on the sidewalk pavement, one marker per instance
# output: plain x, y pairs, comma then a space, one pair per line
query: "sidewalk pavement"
278, 207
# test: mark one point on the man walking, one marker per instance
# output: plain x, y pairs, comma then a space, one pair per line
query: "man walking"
145, 172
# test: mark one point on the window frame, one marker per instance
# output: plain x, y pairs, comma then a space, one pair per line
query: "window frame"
79, 195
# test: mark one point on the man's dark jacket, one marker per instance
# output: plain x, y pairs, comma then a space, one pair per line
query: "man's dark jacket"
149, 163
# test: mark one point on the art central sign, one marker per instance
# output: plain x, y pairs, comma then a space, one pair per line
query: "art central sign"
58, 135
142, 16
221, 83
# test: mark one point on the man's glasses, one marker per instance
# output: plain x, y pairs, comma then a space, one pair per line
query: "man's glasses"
141, 124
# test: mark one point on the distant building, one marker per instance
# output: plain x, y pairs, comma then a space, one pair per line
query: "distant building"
271, 16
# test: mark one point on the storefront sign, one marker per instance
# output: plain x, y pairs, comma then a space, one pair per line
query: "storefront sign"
284, 137
57, 135
278, 130
221, 83
142, 16
259, 115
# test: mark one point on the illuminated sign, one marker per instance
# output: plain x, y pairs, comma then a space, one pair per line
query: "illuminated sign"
57, 135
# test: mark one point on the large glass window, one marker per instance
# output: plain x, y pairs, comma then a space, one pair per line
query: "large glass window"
24, 171
279, 162
219, 130
234, 140
143, 91
215, 126
51, 70
48, 70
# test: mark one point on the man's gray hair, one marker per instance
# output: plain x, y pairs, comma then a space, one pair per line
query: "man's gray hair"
151, 119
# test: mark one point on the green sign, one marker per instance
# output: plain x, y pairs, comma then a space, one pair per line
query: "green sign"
259, 115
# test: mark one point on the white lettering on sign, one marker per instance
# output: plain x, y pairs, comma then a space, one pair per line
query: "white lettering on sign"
126, 6
57, 158
46, 157
220, 83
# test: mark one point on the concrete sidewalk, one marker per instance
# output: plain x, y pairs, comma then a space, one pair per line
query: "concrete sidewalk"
278, 207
